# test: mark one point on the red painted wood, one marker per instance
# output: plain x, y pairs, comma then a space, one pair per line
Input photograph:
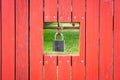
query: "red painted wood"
64, 62
8, 40
92, 39
50, 68
106, 40
64, 7
0, 42
78, 62
64, 68
21, 40
50, 10
50, 15
78, 10
117, 40
36, 37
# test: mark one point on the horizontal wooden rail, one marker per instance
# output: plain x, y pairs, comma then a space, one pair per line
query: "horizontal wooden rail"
61, 28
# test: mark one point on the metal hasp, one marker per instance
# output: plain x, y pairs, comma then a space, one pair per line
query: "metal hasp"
58, 45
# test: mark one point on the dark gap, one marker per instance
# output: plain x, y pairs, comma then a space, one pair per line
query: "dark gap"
1, 36
43, 24
113, 37
58, 25
43, 60
71, 60
57, 11
70, 67
73, 25
28, 39
85, 36
15, 40
43, 11
43, 38
99, 44
57, 68
57, 60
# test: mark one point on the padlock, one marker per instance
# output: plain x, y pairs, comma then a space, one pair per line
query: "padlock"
58, 45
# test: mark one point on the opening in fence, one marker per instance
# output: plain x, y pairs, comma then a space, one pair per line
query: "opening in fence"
61, 38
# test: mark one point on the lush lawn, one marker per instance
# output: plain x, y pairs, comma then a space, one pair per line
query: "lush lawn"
71, 38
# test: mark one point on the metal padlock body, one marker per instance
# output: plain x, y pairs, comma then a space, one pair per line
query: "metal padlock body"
58, 45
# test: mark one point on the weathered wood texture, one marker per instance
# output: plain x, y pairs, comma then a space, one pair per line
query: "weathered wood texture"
36, 32
8, 39
106, 40
92, 39
78, 62
21, 40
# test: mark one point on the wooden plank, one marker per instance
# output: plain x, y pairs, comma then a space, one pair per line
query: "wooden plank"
0, 41
50, 15
8, 40
64, 7
78, 11
50, 10
21, 40
78, 62
64, 62
92, 39
62, 28
117, 40
106, 24
36, 37
64, 68
50, 68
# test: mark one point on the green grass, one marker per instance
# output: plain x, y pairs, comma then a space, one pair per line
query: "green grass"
71, 38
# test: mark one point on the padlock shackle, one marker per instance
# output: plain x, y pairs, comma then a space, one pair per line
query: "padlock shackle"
60, 35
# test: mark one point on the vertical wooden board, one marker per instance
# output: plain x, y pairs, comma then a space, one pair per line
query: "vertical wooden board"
92, 39
50, 68
50, 10
78, 11
78, 68
117, 40
78, 15
64, 68
21, 40
50, 15
64, 7
0, 42
8, 40
106, 24
36, 39
64, 62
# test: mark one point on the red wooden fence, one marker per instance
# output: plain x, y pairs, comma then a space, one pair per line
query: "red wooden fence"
21, 40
